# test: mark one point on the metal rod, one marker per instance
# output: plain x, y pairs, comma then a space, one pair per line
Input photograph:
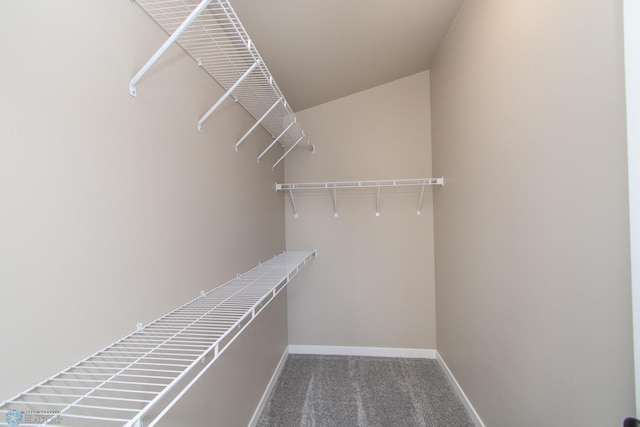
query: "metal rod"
288, 151
335, 202
420, 201
165, 46
226, 94
378, 202
276, 140
257, 123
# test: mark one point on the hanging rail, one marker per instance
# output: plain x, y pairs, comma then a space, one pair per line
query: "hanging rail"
211, 33
143, 375
379, 184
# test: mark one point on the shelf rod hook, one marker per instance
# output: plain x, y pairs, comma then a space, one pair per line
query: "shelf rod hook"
288, 151
421, 198
165, 46
276, 140
378, 201
335, 202
257, 123
226, 94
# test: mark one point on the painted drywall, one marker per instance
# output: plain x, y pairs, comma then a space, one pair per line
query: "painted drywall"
372, 284
114, 209
531, 229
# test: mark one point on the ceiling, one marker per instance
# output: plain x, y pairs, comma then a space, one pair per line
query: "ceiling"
321, 50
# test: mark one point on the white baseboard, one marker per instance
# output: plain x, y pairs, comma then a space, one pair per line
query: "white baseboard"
267, 392
363, 351
463, 397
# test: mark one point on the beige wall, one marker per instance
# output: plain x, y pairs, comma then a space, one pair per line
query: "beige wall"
373, 282
531, 230
114, 209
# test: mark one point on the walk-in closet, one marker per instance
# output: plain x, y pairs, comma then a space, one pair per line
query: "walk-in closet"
319, 213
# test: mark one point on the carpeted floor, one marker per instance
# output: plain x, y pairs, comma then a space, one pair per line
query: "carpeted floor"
344, 391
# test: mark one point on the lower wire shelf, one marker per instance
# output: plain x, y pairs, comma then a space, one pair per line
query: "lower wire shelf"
135, 381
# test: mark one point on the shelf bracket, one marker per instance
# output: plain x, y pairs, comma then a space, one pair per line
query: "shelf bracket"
257, 123
293, 204
335, 202
287, 152
166, 45
226, 94
378, 201
276, 140
421, 198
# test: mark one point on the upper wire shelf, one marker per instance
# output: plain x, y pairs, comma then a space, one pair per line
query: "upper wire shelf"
211, 33
141, 376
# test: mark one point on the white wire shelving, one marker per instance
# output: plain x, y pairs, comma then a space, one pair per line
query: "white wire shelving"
211, 33
379, 184
136, 380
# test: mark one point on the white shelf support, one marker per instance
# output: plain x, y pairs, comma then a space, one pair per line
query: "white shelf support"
293, 204
378, 202
287, 152
257, 123
421, 198
166, 45
275, 140
335, 202
226, 94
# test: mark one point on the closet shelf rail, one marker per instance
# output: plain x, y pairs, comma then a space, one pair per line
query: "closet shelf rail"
378, 184
141, 376
211, 33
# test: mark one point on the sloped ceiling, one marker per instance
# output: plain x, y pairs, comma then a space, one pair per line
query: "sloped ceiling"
321, 50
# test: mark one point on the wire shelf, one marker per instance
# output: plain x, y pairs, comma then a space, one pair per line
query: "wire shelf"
359, 184
141, 376
379, 184
211, 33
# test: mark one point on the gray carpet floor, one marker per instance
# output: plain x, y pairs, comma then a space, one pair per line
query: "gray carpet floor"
344, 391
